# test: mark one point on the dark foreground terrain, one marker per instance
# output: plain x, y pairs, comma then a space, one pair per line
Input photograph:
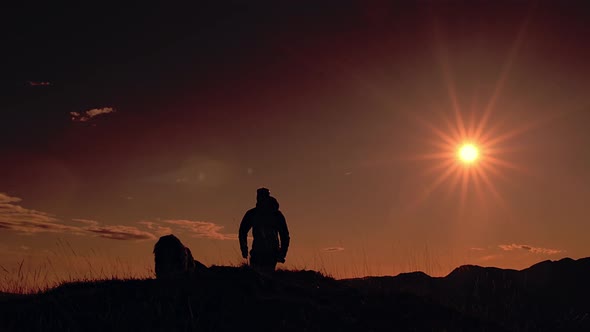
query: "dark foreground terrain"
549, 296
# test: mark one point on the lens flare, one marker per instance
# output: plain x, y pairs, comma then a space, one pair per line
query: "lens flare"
469, 152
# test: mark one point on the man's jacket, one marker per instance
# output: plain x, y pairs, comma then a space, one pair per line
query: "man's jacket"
267, 225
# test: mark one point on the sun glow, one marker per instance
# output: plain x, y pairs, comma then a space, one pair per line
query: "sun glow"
468, 159
468, 153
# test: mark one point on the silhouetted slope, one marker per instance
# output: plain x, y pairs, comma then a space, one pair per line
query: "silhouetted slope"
229, 299
548, 296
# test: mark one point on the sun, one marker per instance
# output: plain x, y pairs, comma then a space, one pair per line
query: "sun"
469, 158
468, 153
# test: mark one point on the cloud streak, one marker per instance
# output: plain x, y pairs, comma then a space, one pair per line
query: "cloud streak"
87, 115
120, 232
487, 258
14, 217
39, 83
4, 199
86, 222
534, 250
202, 229
156, 228
333, 249
27, 221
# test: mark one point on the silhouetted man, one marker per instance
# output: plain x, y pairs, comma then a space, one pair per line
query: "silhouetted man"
268, 224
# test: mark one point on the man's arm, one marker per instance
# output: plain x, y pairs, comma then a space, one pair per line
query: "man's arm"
245, 226
284, 235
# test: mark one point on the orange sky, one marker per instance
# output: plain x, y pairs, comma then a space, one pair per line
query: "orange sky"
168, 121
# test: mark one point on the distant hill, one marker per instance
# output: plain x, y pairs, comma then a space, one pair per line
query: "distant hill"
549, 296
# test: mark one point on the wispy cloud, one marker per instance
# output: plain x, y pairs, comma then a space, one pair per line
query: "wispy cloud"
333, 249
120, 232
156, 228
86, 221
488, 258
19, 219
202, 229
477, 249
8, 199
16, 218
87, 115
534, 250
39, 83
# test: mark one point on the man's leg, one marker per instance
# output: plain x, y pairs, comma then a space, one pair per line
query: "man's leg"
263, 262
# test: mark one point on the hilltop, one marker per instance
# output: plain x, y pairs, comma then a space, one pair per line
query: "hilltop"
548, 296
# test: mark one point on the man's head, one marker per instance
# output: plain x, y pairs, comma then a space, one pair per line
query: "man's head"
262, 194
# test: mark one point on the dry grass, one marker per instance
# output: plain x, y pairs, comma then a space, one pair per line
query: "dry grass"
35, 274
62, 264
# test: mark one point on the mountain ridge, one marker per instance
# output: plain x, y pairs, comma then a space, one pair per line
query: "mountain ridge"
547, 296
551, 293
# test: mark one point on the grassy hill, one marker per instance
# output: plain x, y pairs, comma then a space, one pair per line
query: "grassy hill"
549, 296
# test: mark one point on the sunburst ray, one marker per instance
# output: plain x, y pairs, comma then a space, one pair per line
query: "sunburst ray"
473, 150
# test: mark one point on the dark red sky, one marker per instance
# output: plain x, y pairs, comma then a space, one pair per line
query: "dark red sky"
162, 118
